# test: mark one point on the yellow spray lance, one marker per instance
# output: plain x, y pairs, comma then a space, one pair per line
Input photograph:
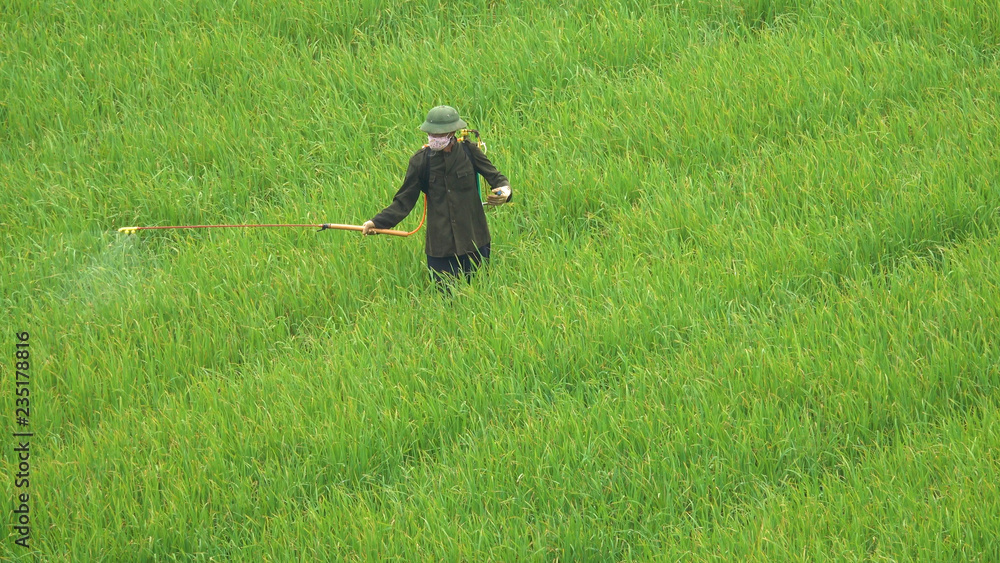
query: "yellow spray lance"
320, 226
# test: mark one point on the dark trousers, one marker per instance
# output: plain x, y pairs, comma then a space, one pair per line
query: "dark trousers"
451, 267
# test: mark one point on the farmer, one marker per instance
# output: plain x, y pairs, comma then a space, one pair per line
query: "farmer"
458, 239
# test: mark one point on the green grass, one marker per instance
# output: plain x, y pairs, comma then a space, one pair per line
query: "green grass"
745, 308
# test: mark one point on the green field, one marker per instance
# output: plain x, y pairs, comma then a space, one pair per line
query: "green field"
746, 306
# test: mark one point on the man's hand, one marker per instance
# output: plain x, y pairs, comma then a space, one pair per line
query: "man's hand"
368, 228
499, 195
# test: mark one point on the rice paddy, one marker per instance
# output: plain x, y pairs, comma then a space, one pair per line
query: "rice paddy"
744, 307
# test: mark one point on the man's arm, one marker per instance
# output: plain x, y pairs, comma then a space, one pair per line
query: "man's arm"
486, 168
405, 198
500, 192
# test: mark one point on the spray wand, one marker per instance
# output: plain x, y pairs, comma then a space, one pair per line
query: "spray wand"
320, 226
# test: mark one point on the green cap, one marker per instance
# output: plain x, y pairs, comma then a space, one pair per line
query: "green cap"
442, 119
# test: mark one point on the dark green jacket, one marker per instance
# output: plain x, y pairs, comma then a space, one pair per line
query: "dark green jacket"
456, 222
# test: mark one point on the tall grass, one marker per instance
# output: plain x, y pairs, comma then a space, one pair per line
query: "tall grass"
743, 309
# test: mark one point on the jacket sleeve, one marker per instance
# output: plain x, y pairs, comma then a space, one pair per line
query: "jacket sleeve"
405, 198
486, 168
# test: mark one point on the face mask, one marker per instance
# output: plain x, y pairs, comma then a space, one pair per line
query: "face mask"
438, 143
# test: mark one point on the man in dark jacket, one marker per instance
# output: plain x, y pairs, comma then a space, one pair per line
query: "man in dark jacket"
458, 238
